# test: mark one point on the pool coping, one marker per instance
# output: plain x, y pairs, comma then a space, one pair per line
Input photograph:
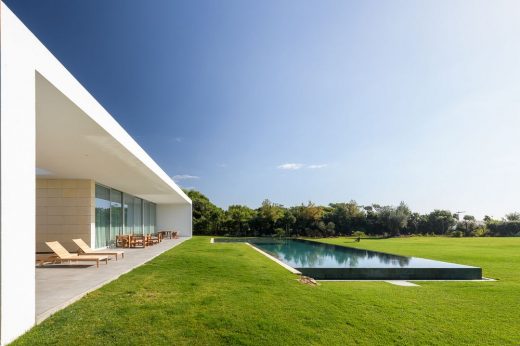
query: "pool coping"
286, 266
272, 258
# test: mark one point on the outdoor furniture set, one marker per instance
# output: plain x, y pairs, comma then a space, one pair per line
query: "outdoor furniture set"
140, 240
86, 254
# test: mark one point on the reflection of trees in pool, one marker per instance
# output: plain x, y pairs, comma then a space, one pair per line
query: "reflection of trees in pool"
388, 258
304, 254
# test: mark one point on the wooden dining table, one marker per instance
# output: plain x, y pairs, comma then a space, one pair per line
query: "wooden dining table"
167, 234
123, 240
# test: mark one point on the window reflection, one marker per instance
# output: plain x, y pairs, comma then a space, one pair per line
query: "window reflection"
121, 213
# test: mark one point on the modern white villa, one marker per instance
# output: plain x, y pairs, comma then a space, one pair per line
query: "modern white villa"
68, 170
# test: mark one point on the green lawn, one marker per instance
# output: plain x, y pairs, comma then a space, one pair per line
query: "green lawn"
204, 294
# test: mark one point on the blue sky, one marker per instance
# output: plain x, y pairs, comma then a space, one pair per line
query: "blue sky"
377, 101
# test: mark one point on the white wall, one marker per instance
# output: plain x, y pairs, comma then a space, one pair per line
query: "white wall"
17, 180
175, 217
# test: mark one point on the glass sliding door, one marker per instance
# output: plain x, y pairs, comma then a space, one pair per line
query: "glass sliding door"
102, 215
128, 214
116, 215
152, 217
138, 216
121, 213
146, 217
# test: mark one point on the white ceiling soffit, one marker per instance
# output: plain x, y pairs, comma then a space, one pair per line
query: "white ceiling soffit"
70, 144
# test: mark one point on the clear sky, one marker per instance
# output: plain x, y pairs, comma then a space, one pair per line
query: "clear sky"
376, 101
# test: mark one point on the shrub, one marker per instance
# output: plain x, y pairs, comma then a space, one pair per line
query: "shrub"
280, 232
504, 228
480, 232
359, 234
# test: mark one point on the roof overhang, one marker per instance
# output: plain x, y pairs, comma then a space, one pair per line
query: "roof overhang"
73, 144
77, 138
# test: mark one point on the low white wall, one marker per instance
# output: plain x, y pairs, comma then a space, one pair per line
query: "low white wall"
175, 216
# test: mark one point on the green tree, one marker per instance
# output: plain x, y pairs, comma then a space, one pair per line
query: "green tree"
268, 215
238, 219
288, 220
310, 217
207, 217
513, 217
304, 219
468, 224
416, 223
394, 218
330, 229
346, 216
441, 221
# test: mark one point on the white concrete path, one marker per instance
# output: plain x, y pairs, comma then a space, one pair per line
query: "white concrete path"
401, 283
60, 285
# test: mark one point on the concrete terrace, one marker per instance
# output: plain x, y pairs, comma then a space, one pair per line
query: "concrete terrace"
60, 285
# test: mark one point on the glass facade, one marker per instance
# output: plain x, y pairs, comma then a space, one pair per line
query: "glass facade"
149, 217
152, 217
102, 215
121, 213
138, 216
116, 215
146, 217
128, 214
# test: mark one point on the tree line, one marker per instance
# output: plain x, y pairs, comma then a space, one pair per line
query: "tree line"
339, 219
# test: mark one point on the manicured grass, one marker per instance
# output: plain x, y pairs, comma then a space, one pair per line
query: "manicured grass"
205, 294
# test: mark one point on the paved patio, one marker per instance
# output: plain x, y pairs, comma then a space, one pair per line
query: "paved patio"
60, 285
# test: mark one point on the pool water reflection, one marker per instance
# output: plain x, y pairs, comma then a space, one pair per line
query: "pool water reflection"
308, 254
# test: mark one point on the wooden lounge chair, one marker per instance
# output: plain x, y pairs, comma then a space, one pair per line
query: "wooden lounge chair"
46, 258
84, 249
64, 255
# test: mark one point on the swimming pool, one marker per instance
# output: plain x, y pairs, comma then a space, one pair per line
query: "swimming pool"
333, 262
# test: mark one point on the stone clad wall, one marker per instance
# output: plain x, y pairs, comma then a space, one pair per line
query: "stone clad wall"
65, 209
